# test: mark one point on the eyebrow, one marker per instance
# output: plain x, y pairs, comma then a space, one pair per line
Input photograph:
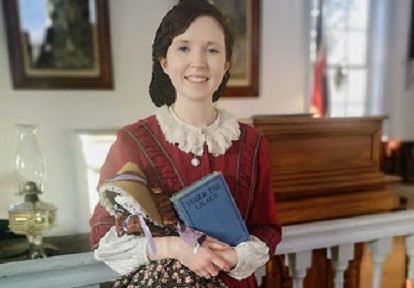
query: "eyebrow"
207, 43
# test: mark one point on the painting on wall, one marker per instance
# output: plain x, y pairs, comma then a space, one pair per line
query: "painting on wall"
59, 44
243, 18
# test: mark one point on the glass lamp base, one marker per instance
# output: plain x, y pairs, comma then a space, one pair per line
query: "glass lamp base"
36, 247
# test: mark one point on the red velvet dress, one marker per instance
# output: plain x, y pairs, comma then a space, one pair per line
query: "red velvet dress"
245, 166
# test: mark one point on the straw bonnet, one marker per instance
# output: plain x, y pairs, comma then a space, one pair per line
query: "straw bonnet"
128, 189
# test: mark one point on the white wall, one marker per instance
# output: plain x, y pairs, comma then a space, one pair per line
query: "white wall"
399, 106
133, 24
282, 62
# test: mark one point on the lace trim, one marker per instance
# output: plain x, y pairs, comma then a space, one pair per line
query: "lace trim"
191, 139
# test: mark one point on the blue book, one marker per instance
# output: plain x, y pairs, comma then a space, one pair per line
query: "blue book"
208, 206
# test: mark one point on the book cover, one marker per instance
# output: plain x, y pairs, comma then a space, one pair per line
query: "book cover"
208, 206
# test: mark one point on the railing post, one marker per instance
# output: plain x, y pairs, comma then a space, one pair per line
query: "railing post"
341, 255
409, 247
298, 264
379, 250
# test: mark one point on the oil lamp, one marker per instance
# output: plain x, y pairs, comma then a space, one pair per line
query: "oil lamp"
31, 217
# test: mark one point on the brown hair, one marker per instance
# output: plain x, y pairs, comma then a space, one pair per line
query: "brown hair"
176, 22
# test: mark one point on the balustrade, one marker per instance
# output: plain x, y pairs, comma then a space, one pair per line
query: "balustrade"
338, 236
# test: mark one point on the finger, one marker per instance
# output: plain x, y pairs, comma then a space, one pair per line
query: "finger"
207, 272
217, 246
211, 239
220, 264
213, 243
199, 273
207, 275
211, 271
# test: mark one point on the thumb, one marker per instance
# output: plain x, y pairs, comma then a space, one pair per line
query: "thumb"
213, 243
217, 246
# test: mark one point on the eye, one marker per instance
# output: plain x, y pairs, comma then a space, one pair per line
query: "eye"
183, 48
212, 51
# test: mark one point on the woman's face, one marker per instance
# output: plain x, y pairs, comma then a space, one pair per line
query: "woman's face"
196, 60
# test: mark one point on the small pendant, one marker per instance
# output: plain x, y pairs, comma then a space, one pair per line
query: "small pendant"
195, 161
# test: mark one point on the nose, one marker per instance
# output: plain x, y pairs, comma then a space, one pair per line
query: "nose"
198, 59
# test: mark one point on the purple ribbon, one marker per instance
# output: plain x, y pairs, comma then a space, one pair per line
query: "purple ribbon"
126, 177
145, 229
190, 235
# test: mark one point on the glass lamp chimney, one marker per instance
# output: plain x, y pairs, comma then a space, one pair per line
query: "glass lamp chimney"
29, 166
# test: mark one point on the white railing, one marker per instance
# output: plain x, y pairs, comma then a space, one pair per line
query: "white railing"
339, 236
76, 270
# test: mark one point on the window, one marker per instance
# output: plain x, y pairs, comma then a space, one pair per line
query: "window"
346, 26
94, 150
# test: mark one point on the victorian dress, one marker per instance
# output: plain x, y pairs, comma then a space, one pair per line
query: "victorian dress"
167, 149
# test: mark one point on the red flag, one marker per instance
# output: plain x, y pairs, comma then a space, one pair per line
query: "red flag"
319, 95
319, 100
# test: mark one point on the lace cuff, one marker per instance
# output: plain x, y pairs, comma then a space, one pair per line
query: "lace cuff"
122, 254
251, 255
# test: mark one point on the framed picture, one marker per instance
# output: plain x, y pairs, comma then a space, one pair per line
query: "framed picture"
243, 17
59, 44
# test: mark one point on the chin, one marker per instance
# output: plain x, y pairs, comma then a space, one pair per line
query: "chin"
199, 95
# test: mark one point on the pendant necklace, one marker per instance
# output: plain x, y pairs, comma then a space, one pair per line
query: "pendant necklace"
195, 162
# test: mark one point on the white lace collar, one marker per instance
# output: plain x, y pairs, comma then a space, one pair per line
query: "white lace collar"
190, 139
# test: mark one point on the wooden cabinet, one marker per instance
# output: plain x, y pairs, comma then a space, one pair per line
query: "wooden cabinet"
325, 168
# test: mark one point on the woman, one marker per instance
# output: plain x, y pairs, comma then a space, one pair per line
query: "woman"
185, 140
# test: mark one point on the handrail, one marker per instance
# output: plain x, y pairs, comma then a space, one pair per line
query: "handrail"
67, 271
325, 234
82, 269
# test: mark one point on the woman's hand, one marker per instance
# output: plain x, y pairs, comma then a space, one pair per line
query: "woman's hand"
229, 255
223, 250
205, 262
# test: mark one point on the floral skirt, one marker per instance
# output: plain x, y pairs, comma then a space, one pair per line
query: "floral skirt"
166, 273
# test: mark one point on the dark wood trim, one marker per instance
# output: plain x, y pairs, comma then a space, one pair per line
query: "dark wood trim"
251, 90
23, 81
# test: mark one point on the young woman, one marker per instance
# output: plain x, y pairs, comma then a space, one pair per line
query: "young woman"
187, 139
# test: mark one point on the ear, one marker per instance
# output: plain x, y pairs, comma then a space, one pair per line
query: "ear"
227, 66
164, 64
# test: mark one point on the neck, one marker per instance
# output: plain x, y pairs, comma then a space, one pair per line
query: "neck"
200, 115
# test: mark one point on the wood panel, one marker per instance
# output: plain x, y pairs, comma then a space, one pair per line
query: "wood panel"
326, 168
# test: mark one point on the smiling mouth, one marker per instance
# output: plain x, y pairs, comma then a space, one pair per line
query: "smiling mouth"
196, 79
